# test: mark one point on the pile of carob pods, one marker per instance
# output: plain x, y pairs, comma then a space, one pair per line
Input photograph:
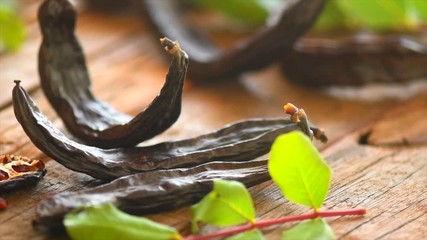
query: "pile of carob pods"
167, 175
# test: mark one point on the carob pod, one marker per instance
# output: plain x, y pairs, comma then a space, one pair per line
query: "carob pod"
356, 60
151, 192
19, 171
208, 62
66, 83
240, 141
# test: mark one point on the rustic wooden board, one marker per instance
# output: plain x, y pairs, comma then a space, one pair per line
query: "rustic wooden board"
128, 70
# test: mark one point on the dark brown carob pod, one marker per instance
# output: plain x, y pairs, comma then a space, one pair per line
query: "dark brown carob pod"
151, 192
65, 81
241, 141
356, 60
208, 62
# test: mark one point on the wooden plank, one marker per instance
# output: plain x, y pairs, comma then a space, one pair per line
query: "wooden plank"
406, 125
128, 69
391, 191
356, 166
95, 31
416, 227
389, 181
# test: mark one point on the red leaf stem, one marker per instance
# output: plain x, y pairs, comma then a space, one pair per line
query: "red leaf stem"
271, 222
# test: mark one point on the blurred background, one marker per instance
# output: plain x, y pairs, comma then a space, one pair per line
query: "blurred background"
338, 16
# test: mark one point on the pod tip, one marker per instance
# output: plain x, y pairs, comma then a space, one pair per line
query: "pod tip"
172, 47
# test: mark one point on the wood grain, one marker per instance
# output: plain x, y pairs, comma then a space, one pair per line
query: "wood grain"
128, 69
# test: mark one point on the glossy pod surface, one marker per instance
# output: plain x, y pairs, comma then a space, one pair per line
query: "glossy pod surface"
151, 192
66, 83
240, 141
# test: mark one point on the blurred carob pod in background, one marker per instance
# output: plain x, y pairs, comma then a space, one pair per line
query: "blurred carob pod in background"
312, 61
210, 63
356, 59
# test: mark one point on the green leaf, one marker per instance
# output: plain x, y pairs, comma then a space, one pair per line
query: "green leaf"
251, 11
416, 10
228, 204
298, 169
331, 17
377, 15
12, 30
253, 234
107, 222
316, 229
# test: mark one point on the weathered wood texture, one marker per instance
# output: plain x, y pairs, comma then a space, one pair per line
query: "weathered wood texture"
128, 69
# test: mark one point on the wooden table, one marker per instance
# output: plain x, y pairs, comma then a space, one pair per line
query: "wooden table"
128, 69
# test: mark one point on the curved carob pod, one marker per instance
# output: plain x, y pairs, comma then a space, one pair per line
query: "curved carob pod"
151, 192
356, 60
208, 62
66, 83
240, 141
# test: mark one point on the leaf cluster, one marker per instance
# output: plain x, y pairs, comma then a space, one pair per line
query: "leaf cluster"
378, 15
375, 15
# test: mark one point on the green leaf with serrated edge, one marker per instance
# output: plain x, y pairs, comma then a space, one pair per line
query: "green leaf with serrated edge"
253, 234
106, 222
228, 204
297, 168
315, 229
